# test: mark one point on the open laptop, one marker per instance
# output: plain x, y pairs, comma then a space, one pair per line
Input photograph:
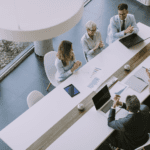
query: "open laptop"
131, 40
103, 102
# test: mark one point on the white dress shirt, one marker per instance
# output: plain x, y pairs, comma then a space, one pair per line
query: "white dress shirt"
88, 44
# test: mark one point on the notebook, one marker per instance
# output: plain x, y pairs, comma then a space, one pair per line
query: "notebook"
136, 84
139, 81
141, 73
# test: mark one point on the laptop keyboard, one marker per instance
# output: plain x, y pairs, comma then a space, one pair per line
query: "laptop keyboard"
106, 108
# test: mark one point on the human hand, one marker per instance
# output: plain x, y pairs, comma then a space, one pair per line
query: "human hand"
96, 47
148, 73
116, 101
129, 29
101, 44
78, 63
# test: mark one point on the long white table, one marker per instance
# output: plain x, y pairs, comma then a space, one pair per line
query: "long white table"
36, 121
92, 129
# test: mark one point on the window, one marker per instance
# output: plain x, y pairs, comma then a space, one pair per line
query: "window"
10, 53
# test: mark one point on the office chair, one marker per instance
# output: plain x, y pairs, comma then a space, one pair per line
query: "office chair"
50, 69
34, 97
85, 56
147, 143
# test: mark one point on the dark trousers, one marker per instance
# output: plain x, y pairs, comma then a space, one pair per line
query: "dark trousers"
116, 142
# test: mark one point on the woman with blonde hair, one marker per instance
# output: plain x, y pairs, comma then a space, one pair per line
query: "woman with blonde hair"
65, 61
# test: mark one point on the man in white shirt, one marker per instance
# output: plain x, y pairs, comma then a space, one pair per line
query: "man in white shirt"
121, 24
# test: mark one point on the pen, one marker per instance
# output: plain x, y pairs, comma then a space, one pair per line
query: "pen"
140, 79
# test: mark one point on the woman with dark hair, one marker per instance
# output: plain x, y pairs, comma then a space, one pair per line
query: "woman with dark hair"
65, 62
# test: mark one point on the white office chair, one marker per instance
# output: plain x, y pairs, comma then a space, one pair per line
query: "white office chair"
142, 147
34, 97
85, 56
50, 69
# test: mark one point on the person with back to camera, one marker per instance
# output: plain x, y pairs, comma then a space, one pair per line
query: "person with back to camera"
91, 41
131, 131
121, 24
65, 61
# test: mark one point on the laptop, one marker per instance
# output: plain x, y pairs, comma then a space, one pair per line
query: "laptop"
103, 102
131, 40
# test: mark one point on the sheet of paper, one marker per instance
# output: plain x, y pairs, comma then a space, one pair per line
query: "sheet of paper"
94, 82
95, 71
118, 89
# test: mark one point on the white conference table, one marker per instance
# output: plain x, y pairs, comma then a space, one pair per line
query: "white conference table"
36, 121
92, 129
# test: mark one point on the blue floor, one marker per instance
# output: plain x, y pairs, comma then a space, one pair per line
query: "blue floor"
30, 74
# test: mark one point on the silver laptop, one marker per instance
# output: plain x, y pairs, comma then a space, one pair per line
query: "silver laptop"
103, 102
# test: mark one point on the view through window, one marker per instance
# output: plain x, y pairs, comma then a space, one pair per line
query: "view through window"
9, 51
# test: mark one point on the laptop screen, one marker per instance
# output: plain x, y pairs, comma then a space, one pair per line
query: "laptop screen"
101, 97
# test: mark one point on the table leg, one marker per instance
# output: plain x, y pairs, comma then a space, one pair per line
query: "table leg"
43, 47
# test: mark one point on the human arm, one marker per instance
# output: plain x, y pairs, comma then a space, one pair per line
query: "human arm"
134, 25
86, 48
114, 28
116, 124
99, 40
76, 65
60, 68
118, 103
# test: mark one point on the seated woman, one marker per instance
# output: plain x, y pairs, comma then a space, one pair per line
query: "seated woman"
91, 41
65, 61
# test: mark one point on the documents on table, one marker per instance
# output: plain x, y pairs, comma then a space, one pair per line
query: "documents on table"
139, 81
94, 82
96, 78
118, 88
96, 70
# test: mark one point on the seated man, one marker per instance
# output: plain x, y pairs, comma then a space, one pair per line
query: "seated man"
91, 41
132, 131
121, 24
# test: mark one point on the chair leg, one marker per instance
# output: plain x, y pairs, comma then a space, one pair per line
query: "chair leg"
48, 86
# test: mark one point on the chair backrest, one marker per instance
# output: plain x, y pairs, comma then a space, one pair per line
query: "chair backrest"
49, 63
86, 56
147, 143
34, 97
50, 69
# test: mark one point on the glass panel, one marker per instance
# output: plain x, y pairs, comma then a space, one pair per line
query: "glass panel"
9, 51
